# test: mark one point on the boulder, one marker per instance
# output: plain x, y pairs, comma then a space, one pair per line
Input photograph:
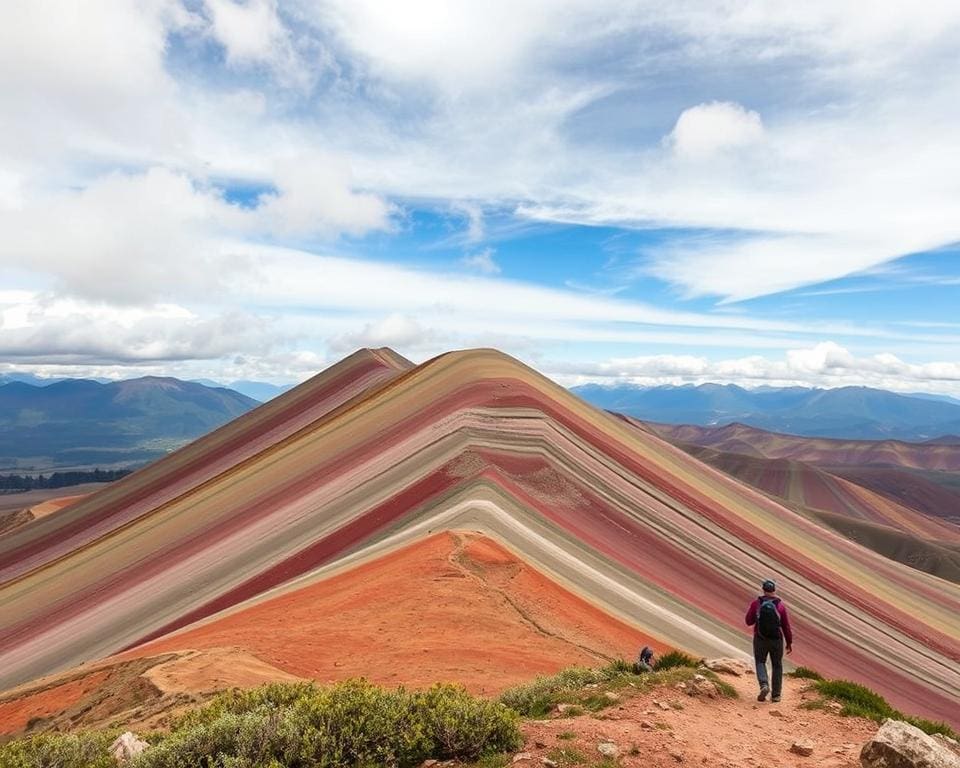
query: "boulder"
945, 741
126, 747
803, 747
901, 745
701, 686
733, 667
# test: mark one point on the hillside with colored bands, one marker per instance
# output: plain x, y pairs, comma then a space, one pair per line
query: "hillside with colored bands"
467, 441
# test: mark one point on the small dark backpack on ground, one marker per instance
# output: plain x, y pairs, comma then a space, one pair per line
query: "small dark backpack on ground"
768, 618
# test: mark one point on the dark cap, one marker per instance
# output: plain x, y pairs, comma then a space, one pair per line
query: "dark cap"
769, 586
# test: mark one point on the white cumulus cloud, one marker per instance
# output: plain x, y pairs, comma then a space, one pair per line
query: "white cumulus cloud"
705, 129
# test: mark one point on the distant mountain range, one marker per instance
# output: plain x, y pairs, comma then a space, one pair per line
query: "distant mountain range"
856, 413
258, 390
82, 423
37, 381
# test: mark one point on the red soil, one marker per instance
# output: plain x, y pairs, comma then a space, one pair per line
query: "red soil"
454, 607
15, 714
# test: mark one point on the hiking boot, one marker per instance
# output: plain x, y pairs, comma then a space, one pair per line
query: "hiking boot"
764, 690
775, 699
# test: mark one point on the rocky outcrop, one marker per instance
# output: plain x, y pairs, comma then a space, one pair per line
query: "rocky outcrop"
901, 745
126, 747
701, 686
734, 667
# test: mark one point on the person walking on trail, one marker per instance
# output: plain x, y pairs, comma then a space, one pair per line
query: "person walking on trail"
771, 628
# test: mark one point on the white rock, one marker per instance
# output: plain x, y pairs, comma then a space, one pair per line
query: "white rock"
901, 745
733, 667
126, 747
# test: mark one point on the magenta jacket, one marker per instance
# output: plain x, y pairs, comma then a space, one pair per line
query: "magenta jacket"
784, 618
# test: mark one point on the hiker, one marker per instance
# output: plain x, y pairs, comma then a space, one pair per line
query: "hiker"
644, 662
771, 627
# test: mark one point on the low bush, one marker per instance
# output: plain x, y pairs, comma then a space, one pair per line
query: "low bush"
675, 659
859, 701
931, 726
578, 686
350, 724
805, 673
462, 726
270, 696
539, 697
84, 749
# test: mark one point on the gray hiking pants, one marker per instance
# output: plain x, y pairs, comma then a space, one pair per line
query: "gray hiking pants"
762, 647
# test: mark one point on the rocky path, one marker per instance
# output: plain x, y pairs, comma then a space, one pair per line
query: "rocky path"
668, 727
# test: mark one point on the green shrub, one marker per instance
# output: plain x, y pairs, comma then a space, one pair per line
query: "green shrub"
247, 740
931, 726
675, 659
84, 749
856, 699
805, 673
356, 723
859, 701
539, 697
464, 727
353, 723
577, 686
271, 696
619, 667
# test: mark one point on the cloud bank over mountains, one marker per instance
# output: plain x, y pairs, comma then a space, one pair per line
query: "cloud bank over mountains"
196, 183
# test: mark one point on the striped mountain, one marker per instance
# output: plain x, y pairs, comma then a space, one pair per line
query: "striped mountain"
375, 456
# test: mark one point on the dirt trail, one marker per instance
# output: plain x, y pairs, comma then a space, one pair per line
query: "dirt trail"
668, 728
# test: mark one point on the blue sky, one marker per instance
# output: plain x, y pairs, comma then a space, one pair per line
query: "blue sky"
659, 192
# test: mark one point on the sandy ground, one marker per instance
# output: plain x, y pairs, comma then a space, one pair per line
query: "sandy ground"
667, 728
